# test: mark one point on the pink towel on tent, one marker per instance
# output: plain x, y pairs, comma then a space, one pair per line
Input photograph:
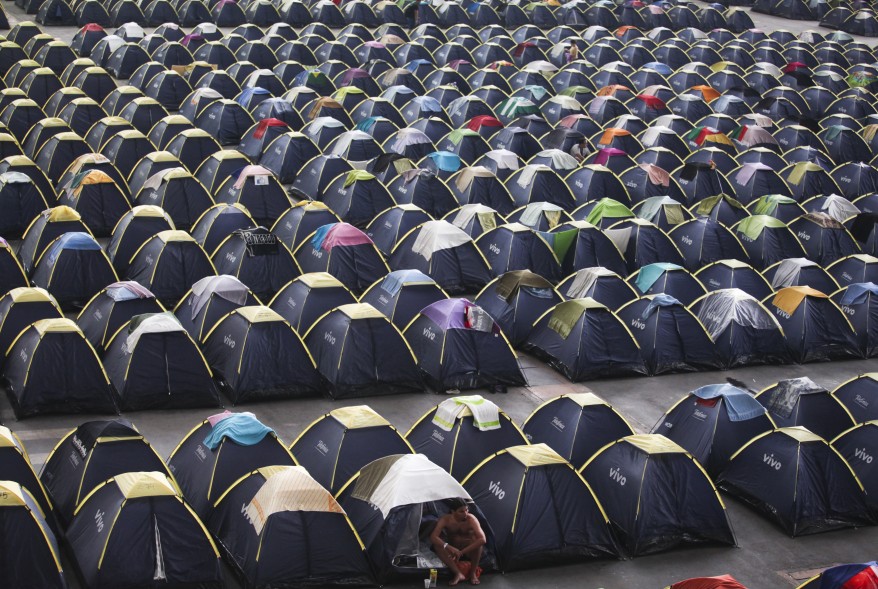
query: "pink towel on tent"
251, 171
344, 234
657, 175
604, 155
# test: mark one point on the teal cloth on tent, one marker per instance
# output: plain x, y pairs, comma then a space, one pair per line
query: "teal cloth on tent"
740, 405
649, 274
320, 235
536, 91
241, 428
657, 301
834, 131
366, 124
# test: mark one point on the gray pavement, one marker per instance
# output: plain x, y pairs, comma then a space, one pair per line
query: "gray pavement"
765, 558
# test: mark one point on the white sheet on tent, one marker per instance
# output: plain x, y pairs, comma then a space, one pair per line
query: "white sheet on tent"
467, 212
289, 489
413, 479
438, 235
505, 159
224, 285
839, 208
787, 272
722, 307
158, 323
584, 280
620, 237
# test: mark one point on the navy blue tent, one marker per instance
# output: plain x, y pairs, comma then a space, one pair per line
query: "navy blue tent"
812, 488
544, 513
111, 308
815, 328
516, 300
734, 274
860, 396
460, 444
671, 338
19, 308
743, 330
73, 268
337, 445
576, 426
255, 256
308, 297
801, 402
345, 252
459, 346
713, 422
640, 479
258, 521
168, 264
255, 355
402, 294
154, 363
856, 445
360, 352
583, 339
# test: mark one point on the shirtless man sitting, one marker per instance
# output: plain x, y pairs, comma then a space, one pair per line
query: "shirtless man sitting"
464, 540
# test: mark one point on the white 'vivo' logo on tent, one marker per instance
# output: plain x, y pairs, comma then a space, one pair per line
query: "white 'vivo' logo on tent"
848, 311
494, 249
495, 488
861, 454
99, 520
329, 338
616, 475
229, 341
637, 323
429, 334
770, 461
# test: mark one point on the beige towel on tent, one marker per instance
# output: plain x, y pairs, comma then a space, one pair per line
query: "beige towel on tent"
486, 415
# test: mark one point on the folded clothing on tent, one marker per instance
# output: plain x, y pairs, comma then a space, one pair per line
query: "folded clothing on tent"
127, 290
740, 405
241, 428
486, 415
225, 286
787, 392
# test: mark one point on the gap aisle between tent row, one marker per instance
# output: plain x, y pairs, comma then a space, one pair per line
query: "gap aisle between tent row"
766, 559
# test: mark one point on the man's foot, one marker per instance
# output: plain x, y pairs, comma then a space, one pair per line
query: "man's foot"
457, 579
474, 580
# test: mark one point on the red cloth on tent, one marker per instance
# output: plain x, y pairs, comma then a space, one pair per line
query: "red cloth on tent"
480, 121
265, 124
721, 582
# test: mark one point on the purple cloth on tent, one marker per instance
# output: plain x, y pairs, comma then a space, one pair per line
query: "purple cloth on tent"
604, 155
452, 314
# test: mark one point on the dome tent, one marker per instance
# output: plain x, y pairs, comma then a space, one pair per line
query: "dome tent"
378, 359
583, 339
860, 396
459, 346
857, 301
799, 402
153, 362
154, 535
32, 557
515, 300
458, 435
838, 576
255, 257
135, 227
855, 446
656, 495
713, 422
734, 274
576, 426
255, 354
73, 269
21, 307
209, 300
402, 294
345, 252
337, 445
445, 253
304, 300
90, 454
548, 515
389, 493
599, 283
17, 467
742, 329
218, 452
671, 338
278, 510
815, 328
51, 368
168, 264
798, 481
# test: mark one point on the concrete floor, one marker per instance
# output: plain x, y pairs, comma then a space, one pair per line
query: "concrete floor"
765, 558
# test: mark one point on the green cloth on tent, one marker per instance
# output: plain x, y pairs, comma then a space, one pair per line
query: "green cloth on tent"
799, 171
457, 135
834, 131
607, 207
565, 315
572, 91
356, 176
651, 206
752, 226
509, 283
706, 205
769, 203
649, 274
560, 241
487, 221
341, 93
